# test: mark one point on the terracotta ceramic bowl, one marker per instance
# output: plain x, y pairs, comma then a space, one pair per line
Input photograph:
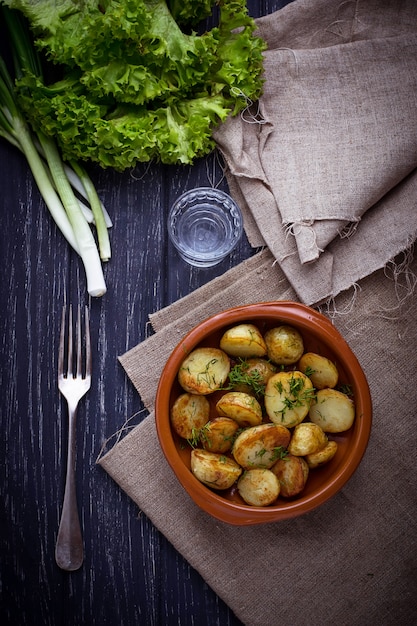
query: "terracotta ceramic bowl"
320, 336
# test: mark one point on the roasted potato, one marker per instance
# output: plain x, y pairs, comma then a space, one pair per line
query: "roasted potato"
204, 370
284, 345
244, 340
258, 487
251, 375
288, 397
260, 368
260, 446
306, 439
218, 434
332, 410
214, 470
241, 407
189, 413
274, 405
316, 459
321, 371
292, 473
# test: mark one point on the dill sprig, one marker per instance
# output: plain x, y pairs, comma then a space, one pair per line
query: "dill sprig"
239, 375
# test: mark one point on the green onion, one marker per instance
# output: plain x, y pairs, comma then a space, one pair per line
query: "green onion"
16, 131
51, 174
96, 207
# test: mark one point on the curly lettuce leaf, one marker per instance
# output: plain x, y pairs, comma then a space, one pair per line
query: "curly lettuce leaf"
134, 86
191, 12
239, 50
132, 49
120, 138
186, 128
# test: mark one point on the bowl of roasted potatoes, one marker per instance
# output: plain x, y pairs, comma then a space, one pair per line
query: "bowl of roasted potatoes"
263, 412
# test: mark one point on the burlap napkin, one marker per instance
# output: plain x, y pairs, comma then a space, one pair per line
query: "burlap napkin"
324, 166
353, 561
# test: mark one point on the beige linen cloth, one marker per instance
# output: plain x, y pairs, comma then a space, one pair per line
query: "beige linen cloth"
352, 562
334, 153
324, 166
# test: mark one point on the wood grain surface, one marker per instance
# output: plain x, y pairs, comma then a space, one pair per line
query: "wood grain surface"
131, 574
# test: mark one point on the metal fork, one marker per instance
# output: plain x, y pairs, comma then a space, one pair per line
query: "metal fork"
73, 383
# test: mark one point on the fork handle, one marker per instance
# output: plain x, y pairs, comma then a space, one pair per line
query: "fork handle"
69, 552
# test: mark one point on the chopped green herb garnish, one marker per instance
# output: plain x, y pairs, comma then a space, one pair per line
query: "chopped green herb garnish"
239, 375
280, 453
195, 437
346, 389
309, 371
297, 394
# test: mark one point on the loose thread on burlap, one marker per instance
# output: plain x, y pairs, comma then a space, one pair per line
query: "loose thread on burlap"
337, 28
295, 59
345, 27
330, 309
288, 230
122, 432
276, 251
348, 230
399, 271
247, 115
296, 228
252, 114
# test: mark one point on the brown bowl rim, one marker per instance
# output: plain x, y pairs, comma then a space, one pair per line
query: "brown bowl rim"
286, 311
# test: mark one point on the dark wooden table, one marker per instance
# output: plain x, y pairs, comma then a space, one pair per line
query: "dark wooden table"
131, 574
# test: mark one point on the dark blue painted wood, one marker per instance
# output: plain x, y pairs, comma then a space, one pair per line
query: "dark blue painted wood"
131, 574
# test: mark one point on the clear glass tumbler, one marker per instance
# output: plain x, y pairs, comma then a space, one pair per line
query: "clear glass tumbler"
204, 224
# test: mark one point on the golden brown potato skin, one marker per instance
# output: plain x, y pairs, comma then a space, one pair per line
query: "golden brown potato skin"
243, 340
317, 459
214, 470
284, 345
321, 371
218, 434
258, 487
189, 413
266, 423
307, 438
332, 410
204, 370
292, 473
258, 446
288, 398
255, 369
262, 368
240, 406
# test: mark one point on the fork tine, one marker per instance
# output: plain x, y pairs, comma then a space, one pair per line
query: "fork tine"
72, 369
62, 343
78, 371
87, 344
69, 356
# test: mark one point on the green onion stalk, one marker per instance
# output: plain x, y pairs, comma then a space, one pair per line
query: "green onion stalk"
55, 179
